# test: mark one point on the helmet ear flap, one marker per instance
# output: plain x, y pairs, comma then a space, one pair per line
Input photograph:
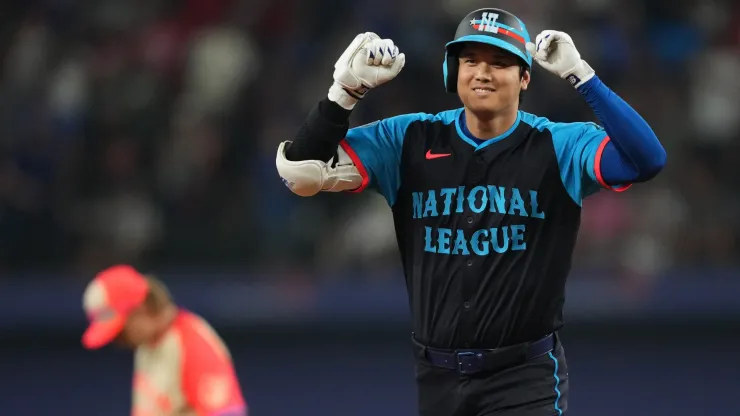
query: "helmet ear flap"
444, 72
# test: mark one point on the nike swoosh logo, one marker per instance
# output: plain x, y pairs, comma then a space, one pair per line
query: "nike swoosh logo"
431, 155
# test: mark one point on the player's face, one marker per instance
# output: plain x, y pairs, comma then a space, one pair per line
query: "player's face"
489, 79
140, 328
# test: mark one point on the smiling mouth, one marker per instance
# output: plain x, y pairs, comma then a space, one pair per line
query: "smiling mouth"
483, 90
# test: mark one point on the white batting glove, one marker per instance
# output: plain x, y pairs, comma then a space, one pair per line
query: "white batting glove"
368, 62
556, 52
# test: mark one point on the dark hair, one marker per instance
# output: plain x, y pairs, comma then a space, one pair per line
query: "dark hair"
158, 297
522, 69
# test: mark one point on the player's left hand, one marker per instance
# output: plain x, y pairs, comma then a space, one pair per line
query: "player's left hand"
556, 52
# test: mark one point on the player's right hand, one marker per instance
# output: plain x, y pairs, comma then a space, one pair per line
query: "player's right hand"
368, 62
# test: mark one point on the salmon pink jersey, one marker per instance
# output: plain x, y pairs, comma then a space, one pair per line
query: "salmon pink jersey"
188, 372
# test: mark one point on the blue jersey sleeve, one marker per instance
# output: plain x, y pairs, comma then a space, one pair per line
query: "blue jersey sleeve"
376, 148
634, 153
579, 148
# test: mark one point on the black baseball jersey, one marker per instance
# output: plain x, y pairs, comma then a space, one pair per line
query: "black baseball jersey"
486, 229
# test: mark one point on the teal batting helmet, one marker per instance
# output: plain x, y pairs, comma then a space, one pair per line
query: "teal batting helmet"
493, 27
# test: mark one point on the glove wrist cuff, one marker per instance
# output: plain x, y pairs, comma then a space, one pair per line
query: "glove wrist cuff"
581, 74
341, 96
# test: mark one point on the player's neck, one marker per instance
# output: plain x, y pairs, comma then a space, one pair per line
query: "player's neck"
489, 125
167, 318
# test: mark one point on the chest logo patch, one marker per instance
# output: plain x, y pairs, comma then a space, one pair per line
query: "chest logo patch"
431, 155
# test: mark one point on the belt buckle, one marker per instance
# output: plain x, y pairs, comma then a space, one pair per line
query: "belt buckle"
461, 364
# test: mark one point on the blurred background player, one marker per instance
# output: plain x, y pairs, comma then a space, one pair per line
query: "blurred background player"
181, 365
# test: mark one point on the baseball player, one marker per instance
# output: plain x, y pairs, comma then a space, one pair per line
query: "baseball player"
181, 366
486, 201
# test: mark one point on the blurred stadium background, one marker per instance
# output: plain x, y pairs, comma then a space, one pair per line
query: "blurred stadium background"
145, 132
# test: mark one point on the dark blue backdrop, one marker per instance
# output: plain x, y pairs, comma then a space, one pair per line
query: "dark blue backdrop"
342, 348
327, 374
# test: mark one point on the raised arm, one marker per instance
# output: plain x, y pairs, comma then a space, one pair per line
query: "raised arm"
316, 160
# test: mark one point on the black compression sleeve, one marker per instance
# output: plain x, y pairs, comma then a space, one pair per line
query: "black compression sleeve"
320, 134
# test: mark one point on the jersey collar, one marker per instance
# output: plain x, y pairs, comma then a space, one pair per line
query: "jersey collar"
464, 133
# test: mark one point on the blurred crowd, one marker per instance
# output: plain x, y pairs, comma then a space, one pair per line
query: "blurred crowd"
145, 131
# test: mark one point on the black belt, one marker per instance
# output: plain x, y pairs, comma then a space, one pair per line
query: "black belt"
471, 361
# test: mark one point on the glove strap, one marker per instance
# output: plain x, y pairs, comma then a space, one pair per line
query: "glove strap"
580, 75
358, 93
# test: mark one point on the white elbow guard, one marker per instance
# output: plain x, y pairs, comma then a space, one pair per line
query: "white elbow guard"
309, 177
